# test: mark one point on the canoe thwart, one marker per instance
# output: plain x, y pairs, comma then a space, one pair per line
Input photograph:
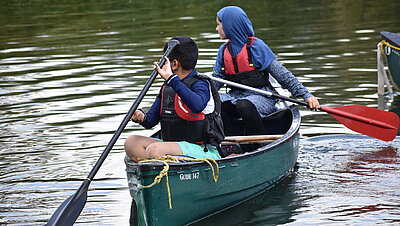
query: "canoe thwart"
251, 139
247, 142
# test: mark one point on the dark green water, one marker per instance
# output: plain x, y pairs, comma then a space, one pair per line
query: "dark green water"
70, 70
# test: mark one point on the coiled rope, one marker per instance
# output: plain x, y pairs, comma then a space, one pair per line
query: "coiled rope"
175, 159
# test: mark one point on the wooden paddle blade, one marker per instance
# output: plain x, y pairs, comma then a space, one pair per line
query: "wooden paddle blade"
71, 208
372, 122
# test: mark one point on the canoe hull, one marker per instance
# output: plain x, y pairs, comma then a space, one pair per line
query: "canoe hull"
393, 56
195, 195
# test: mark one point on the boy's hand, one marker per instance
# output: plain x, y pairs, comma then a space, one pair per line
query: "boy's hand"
166, 70
138, 116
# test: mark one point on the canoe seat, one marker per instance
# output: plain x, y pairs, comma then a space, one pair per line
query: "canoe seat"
241, 144
251, 139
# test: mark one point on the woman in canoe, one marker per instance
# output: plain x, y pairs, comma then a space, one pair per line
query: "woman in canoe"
248, 60
183, 107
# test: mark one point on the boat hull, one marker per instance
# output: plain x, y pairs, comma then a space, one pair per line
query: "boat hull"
194, 194
393, 56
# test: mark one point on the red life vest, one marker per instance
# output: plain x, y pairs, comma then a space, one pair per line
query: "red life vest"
240, 68
241, 62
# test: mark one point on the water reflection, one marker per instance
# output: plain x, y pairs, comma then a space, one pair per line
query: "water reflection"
395, 107
351, 181
275, 206
368, 172
390, 103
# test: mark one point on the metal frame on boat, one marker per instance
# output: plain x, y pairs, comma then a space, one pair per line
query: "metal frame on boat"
188, 193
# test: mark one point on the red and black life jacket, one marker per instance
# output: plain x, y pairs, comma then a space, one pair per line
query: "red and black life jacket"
240, 68
179, 123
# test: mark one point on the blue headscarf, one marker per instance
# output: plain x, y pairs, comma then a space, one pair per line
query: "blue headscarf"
238, 27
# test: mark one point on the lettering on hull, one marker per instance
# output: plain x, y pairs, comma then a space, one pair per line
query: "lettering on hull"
190, 176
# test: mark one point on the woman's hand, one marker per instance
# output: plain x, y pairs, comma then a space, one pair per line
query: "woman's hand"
313, 103
166, 71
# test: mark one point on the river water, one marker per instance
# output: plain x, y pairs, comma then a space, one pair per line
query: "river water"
70, 70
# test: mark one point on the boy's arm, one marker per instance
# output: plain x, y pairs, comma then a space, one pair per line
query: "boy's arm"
152, 116
196, 98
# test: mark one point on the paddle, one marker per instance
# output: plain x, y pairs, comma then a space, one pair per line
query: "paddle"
71, 208
372, 122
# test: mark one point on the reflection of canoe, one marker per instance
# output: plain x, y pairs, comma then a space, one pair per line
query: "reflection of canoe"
195, 195
391, 44
275, 206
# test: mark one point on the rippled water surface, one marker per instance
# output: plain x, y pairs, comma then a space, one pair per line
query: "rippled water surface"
70, 70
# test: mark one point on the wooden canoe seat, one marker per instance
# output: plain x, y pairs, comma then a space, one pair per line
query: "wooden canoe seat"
237, 145
255, 139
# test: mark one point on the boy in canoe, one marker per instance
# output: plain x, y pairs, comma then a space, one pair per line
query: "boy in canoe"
247, 60
182, 107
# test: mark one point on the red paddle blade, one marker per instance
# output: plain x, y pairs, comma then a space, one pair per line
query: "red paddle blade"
372, 122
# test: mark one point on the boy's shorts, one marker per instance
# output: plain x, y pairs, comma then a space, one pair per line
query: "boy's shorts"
197, 151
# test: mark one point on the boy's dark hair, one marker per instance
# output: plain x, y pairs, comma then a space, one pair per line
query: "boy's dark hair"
186, 52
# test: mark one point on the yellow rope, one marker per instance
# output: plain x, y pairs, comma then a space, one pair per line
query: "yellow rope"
384, 42
174, 159
157, 179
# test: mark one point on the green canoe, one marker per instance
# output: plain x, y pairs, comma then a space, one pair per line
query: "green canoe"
392, 52
193, 193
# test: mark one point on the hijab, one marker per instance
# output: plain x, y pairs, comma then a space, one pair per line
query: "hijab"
238, 27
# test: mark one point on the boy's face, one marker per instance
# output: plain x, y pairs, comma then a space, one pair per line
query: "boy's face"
220, 29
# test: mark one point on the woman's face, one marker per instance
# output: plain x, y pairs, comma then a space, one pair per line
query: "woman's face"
220, 30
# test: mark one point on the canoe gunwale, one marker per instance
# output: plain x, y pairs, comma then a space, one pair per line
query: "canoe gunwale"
393, 38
